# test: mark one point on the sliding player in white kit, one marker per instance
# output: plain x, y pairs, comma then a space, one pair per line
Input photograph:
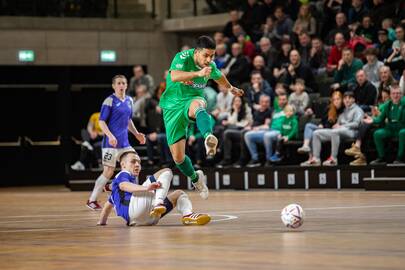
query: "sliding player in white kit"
145, 204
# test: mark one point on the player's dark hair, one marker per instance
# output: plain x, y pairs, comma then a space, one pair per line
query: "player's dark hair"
205, 42
117, 77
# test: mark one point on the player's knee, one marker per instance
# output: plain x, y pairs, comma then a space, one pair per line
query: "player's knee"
178, 192
108, 171
178, 158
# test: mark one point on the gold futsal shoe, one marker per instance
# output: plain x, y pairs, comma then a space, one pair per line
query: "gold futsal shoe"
158, 211
196, 219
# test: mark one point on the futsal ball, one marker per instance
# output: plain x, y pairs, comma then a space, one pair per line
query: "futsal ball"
292, 216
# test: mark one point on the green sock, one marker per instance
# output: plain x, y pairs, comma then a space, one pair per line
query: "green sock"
186, 167
203, 122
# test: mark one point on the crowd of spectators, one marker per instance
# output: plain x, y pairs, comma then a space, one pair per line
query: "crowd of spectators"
313, 72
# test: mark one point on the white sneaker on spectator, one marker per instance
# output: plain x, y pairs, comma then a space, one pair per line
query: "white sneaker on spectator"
87, 145
78, 166
330, 162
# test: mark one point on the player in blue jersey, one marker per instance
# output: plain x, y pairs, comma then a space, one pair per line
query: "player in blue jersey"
115, 121
145, 204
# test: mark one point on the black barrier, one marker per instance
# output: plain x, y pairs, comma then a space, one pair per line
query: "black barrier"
289, 177
261, 178
280, 177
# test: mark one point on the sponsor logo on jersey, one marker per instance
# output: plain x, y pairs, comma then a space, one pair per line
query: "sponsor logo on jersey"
179, 65
194, 85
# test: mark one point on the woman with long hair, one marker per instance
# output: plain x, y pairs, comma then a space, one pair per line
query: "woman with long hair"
331, 114
239, 117
305, 21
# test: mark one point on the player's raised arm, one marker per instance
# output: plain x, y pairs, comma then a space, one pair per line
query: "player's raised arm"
105, 213
130, 187
223, 81
179, 75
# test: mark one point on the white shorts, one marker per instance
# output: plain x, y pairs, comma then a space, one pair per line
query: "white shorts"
140, 206
110, 155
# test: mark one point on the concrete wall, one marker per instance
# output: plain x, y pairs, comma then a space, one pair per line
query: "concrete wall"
66, 45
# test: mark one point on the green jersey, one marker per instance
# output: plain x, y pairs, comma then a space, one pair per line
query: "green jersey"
177, 93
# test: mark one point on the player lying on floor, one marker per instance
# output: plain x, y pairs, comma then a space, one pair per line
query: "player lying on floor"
146, 204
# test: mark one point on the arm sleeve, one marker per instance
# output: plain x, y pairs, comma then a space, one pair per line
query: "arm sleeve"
215, 73
179, 61
294, 130
380, 118
106, 109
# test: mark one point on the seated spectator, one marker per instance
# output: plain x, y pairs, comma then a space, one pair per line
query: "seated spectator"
234, 18
157, 136
329, 119
345, 76
364, 128
387, 25
365, 92
304, 47
400, 33
138, 108
282, 61
257, 87
261, 120
269, 30
237, 30
219, 38
296, 70
221, 56
267, 52
239, 118
318, 58
237, 68
248, 48
384, 45
357, 11
402, 83
280, 90
367, 30
252, 18
346, 128
299, 99
393, 114
305, 21
289, 131
341, 27
140, 78
335, 54
373, 66
223, 105
260, 66
284, 24
386, 79
90, 151
396, 61
266, 136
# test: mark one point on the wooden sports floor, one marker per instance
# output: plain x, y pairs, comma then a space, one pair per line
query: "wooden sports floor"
50, 228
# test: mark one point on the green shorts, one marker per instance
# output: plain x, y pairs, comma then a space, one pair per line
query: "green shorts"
177, 121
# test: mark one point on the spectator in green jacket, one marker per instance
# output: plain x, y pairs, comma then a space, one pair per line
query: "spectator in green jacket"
289, 131
345, 76
393, 114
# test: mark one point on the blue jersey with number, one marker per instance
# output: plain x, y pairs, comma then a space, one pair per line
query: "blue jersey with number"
119, 198
117, 113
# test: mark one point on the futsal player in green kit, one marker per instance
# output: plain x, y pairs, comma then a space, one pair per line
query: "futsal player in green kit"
183, 101
393, 115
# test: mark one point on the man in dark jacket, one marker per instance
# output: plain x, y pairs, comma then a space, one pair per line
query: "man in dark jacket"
364, 92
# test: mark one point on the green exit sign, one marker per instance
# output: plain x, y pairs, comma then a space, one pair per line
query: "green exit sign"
26, 56
108, 56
